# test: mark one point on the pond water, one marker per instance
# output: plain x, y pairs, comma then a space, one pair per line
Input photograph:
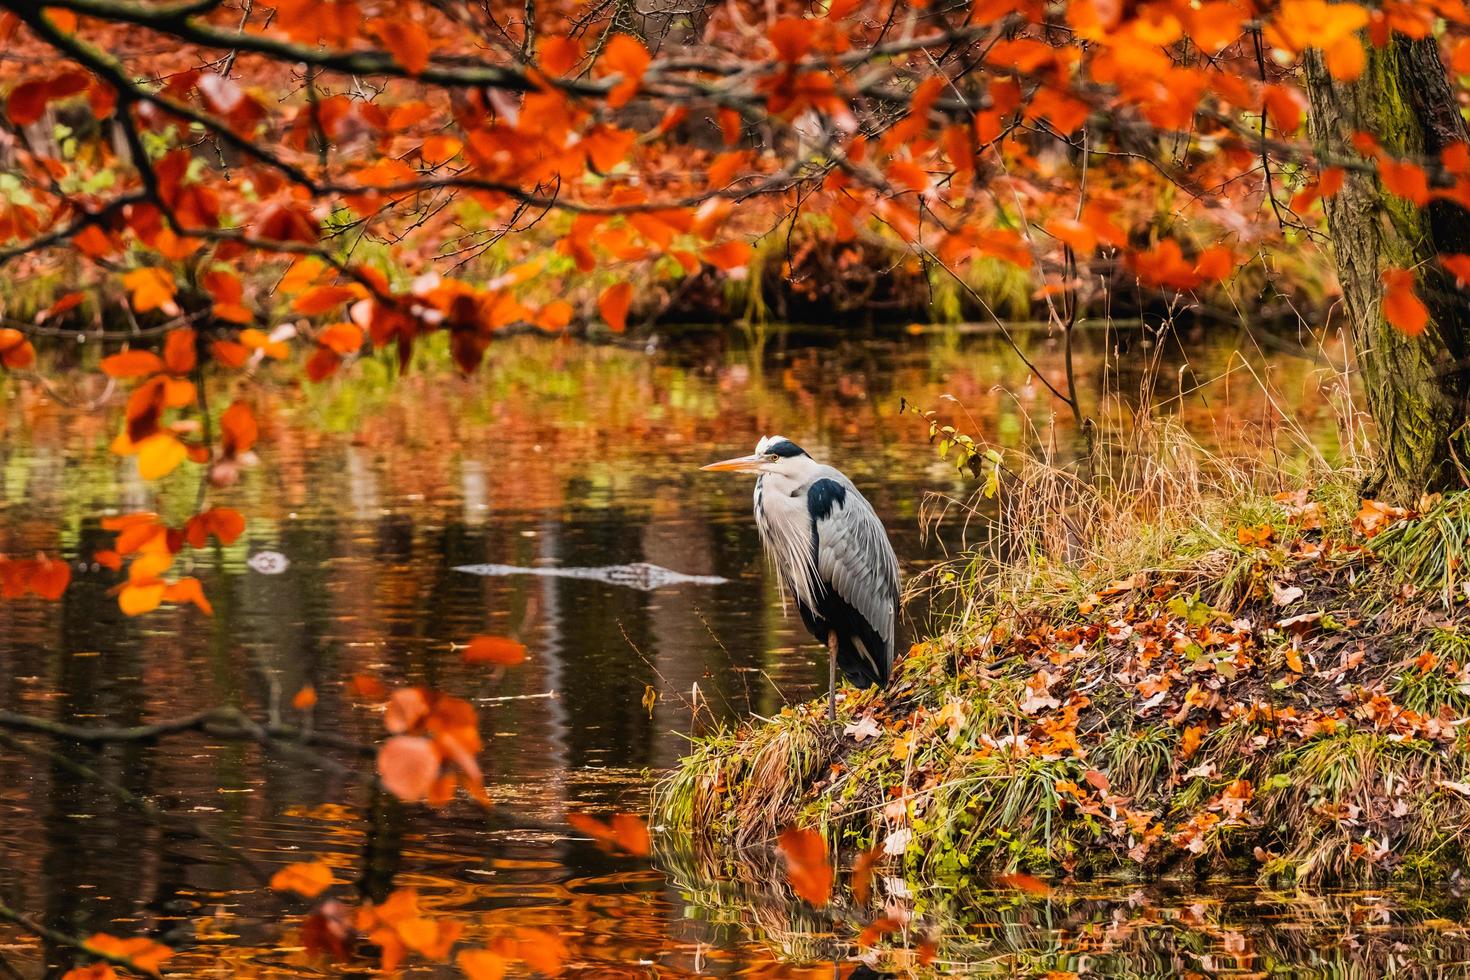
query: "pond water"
368, 498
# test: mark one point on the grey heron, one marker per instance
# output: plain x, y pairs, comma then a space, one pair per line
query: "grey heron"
832, 556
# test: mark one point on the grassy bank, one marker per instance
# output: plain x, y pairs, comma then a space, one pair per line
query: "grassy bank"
1244, 682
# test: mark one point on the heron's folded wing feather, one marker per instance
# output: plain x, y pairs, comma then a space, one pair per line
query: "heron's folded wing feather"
854, 557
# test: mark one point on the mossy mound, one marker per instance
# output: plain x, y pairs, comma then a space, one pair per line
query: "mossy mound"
1292, 707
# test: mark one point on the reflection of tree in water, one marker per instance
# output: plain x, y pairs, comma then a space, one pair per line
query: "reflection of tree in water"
1102, 929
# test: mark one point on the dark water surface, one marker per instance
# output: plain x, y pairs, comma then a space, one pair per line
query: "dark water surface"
557, 456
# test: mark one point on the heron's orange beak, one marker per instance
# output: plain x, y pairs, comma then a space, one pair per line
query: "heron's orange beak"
736, 464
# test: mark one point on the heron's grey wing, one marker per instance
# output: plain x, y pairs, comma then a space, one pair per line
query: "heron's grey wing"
854, 557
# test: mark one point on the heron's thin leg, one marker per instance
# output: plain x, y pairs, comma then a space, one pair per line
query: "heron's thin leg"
832, 677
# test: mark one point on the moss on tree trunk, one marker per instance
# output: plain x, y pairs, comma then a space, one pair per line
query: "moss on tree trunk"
1417, 388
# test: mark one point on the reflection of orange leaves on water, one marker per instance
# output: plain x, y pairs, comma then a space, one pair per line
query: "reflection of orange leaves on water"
543, 951
367, 687
224, 523
145, 954
152, 545
808, 867
309, 878
188, 589
97, 971
305, 698
43, 577
877, 929
1030, 884
238, 428
481, 964
500, 650
328, 930
396, 927
625, 830
862, 874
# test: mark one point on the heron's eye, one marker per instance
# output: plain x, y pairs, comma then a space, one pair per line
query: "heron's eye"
771, 457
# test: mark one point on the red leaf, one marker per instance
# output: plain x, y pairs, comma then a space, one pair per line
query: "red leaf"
613, 305
792, 37
1401, 306
1405, 179
309, 878
321, 299
862, 874
624, 56
27, 102
132, 364
405, 39
1030, 884
408, 766
500, 650
727, 255
558, 54
1458, 266
1284, 104
239, 429
807, 865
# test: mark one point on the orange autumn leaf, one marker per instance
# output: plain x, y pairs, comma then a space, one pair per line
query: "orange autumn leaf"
239, 430
225, 523
1402, 307
145, 954
876, 930
500, 650
320, 299
481, 964
408, 766
1458, 266
1077, 234
727, 255
558, 54
151, 288
406, 39
624, 55
16, 351
1284, 105
341, 338
862, 874
543, 951
188, 589
96, 971
808, 867
132, 364
308, 878
179, 353
159, 455
1405, 179
613, 305
367, 687
625, 830
1030, 884
304, 699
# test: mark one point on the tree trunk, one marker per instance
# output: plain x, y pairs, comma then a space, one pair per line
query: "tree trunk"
1417, 388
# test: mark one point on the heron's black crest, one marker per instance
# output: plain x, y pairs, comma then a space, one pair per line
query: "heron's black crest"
785, 447
822, 496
